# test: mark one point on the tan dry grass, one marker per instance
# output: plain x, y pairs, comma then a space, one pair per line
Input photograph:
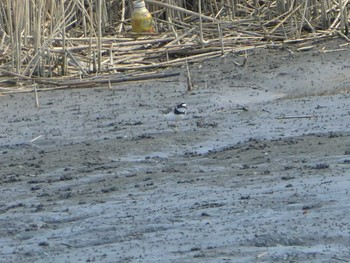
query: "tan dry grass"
77, 38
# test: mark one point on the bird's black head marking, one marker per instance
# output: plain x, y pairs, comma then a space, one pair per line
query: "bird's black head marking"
180, 109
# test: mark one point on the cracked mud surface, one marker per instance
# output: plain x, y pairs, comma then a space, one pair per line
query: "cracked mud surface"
258, 171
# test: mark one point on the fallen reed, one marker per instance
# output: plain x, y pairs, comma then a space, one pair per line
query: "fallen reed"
52, 40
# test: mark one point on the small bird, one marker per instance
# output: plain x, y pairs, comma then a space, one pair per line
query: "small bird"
177, 113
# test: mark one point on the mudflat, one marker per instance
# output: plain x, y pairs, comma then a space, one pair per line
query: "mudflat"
257, 171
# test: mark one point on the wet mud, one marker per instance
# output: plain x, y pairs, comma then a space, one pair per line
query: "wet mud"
257, 171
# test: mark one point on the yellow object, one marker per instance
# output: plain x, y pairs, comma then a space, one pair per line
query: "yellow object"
141, 18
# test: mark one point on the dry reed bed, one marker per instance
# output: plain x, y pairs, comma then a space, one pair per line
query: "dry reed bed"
85, 43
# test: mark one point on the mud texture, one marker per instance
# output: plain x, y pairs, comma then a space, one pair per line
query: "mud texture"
258, 171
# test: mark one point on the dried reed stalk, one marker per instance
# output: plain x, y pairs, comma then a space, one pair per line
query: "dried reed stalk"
40, 38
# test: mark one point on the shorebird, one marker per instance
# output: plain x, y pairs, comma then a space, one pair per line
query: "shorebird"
175, 114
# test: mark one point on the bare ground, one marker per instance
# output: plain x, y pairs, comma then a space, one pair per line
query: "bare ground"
257, 172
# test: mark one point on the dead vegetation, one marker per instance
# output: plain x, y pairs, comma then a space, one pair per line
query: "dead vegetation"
85, 42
